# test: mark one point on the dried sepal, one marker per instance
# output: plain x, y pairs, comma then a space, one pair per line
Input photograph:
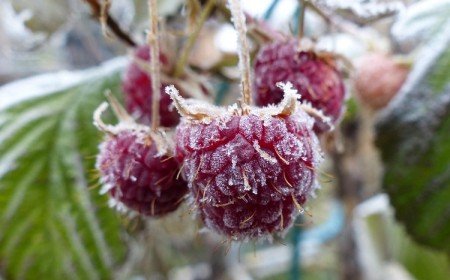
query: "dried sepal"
98, 122
288, 104
118, 109
193, 110
159, 137
198, 111
318, 115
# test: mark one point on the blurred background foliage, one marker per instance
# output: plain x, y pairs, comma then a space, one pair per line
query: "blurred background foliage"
55, 224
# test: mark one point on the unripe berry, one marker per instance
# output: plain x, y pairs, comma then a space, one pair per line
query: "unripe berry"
378, 78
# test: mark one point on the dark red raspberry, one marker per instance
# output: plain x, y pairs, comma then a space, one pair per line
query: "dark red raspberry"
314, 75
137, 177
249, 173
136, 85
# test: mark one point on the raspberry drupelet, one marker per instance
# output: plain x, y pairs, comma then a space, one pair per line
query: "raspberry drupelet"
313, 74
249, 170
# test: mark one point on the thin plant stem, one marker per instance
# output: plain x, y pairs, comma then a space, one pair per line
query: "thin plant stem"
187, 48
155, 67
334, 20
105, 6
238, 18
96, 9
301, 20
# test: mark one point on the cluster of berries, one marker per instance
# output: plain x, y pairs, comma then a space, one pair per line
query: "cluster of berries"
247, 170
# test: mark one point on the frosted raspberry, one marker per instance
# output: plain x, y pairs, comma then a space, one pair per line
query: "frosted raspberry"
248, 173
137, 177
378, 78
313, 75
136, 85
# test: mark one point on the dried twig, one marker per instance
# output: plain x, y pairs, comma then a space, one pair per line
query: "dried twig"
104, 10
179, 68
301, 20
238, 18
155, 67
334, 19
96, 9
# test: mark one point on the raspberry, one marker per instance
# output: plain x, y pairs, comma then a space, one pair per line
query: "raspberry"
136, 85
136, 176
378, 78
248, 173
313, 75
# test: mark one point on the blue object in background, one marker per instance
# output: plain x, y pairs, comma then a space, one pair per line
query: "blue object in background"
222, 90
296, 237
330, 228
319, 234
270, 10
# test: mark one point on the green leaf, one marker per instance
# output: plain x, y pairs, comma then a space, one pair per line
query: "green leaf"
422, 262
414, 138
53, 225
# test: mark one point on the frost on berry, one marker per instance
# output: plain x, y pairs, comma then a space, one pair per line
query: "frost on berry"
314, 75
136, 172
248, 173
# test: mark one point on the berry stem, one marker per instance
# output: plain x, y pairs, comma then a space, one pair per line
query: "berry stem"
105, 6
258, 30
96, 9
334, 20
238, 18
301, 19
155, 67
187, 48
